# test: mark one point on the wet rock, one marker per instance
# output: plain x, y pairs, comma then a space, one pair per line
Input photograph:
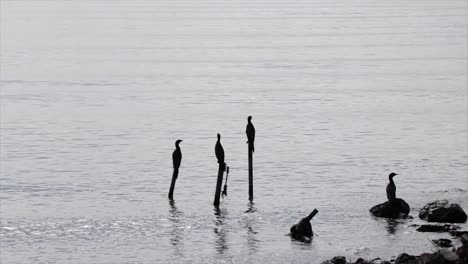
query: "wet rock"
336, 260
406, 259
462, 251
443, 212
399, 209
302, 231
456, 233
443, 256
437, 228
443, 242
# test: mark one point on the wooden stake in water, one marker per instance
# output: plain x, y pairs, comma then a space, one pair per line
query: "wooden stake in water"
250, 174
219, 183
174, 178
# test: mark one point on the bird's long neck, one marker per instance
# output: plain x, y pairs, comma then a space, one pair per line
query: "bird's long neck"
391, 180
177, 146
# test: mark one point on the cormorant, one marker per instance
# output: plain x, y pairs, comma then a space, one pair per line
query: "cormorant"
250, 131
177, 155
219, 151
391, 188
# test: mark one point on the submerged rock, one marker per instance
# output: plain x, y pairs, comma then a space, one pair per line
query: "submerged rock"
399, 209
437, 228
443, 242
443, 212
456, 233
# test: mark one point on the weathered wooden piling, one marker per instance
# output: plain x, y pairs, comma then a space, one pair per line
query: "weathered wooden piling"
250, 173
219, 184
174, 178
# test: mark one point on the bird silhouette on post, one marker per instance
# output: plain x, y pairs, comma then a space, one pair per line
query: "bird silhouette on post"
176, 160
391, 188
250, 131
219, 151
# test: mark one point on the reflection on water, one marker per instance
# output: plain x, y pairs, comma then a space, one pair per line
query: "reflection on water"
220, 230
252, 241
176, 236
392, 225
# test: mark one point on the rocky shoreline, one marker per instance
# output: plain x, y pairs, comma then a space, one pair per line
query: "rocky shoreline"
440, 211
457, 255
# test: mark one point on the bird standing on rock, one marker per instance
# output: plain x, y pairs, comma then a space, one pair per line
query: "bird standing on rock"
250, 131
391, 188
177, 155
219, 151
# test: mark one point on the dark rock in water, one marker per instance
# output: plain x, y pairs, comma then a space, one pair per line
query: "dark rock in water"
303, 230
456, 233
406, 259
443, 212
432, 228
443, 242
443, 256
398, 209
462, 251
336, 260
437, 228
342, 260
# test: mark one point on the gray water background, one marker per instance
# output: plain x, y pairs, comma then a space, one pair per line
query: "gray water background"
94, 94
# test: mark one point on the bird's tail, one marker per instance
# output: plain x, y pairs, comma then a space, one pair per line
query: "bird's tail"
251, 144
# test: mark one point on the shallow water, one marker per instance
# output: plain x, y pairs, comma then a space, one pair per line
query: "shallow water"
94, 94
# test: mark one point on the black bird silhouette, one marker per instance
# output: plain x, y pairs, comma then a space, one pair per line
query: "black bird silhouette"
219, 151
250, 131
177, 155
391, 188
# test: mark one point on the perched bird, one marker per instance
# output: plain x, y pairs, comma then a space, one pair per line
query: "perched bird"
250, 131
177, 155
391, 188
219, 151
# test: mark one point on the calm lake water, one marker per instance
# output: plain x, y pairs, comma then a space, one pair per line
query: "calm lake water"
95, 93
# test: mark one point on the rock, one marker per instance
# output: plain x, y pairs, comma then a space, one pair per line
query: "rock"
443, 242
406, 259
400, 209
303, 230
443, 212
443, 256
456, 233
437, 228
336, 260
462, 251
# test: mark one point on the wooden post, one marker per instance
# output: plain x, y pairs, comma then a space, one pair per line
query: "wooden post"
218, 185
174, 178
250, 173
